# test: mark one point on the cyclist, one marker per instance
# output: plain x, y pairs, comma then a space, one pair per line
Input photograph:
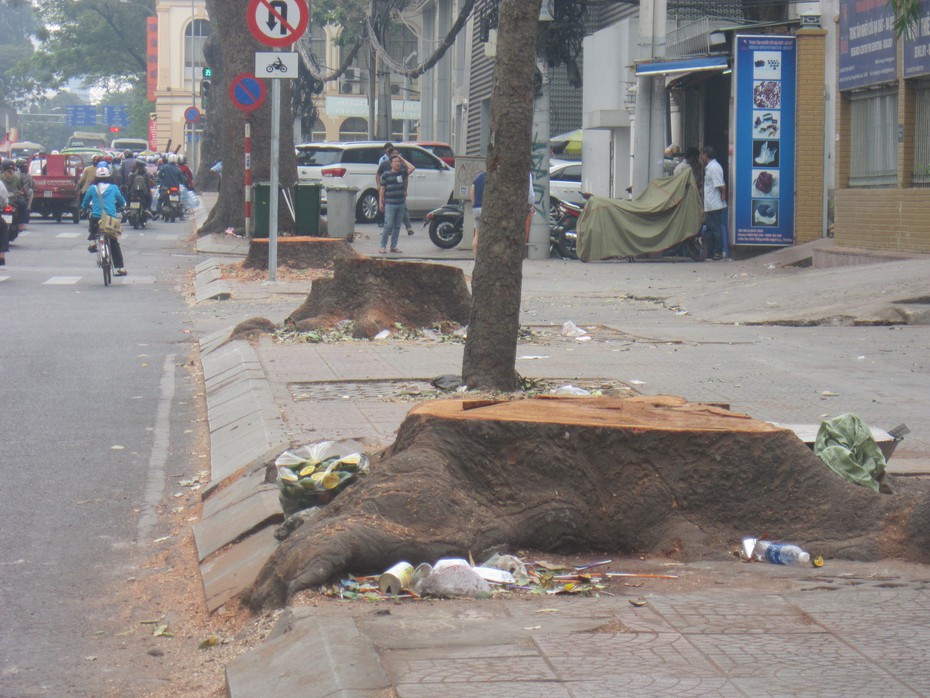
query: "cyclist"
105, 196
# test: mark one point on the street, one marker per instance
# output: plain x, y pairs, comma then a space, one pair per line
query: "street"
99, 415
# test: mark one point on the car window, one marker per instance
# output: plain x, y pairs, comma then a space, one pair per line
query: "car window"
420, 159
442, 151
362, 156
312, 157
572, 173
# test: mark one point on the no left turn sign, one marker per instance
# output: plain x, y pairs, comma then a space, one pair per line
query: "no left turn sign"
278, 22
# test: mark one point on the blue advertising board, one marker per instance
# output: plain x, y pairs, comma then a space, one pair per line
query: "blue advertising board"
763, 160
868, 52
80, 115
917, 46
115, 115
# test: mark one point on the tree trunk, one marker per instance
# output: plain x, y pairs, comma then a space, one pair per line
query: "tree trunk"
491, 348
238, 47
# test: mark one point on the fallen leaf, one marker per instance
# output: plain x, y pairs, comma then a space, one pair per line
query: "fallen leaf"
211, 641
638, 602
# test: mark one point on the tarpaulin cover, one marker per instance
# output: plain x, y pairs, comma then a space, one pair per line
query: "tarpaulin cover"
668, 212
846, 445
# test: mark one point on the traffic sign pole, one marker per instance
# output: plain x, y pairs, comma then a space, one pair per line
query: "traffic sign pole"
274, 195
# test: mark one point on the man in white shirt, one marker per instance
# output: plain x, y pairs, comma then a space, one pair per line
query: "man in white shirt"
715, 201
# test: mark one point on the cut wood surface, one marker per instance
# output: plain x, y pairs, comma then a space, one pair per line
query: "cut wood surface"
647, 475
377, 294
300, 252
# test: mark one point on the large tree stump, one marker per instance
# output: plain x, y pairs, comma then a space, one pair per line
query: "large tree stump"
377, 293
300, 252
653, 475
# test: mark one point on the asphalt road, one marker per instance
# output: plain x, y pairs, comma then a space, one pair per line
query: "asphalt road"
96, 419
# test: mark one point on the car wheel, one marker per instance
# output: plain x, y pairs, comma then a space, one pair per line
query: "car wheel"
366, 210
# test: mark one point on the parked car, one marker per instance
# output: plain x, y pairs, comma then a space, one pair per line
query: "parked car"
356, 164
443, 151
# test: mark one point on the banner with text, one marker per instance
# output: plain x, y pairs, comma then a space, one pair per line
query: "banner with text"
151, 57
763, 161
917, 47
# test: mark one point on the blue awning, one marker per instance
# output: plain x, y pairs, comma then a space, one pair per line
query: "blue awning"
681, 65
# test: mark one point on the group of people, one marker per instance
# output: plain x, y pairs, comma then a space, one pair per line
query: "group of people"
17, 190
708, 173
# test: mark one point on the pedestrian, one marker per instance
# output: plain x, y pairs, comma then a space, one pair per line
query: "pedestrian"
217, 169
715, 201
477, 200
692, 159
4, 228
105, 197
392, 201
384, 164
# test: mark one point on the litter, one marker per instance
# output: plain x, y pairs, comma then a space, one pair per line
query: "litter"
570, 329
314, 474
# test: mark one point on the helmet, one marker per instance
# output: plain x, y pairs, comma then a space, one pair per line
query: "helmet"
95, 159
127, 153
21, 162
182, 159
8, 165
173, 158
108, 158
103, 171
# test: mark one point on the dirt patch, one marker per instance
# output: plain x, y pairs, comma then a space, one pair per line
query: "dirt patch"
300, 252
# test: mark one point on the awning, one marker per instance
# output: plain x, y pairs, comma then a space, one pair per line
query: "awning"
682, 65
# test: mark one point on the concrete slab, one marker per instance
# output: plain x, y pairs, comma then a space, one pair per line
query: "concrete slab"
229, 573
244, 487
232, 523
311, 656
254, 469
213, 341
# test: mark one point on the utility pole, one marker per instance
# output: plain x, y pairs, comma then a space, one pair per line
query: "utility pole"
538, 243
649, 131
372, 77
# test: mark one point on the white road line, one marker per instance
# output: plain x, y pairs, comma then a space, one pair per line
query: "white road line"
68, 235
61, 280
158, 461
3, 278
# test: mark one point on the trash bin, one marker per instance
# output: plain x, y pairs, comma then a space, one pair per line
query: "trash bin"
307, 209
340, 211
261, 209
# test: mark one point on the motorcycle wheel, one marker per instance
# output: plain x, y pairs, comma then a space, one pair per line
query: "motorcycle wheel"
697, 250
445, 234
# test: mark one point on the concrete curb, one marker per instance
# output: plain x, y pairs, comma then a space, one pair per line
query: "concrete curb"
209, 283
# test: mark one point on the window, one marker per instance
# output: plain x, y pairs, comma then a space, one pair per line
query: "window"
921, 175
354, 129
572, 173
420, 160
313, 156
362, 156
318, 133
193, 46
874, 138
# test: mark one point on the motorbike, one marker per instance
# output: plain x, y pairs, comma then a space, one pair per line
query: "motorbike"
8, 212
563, 235
135, 213
170, 208
446, 225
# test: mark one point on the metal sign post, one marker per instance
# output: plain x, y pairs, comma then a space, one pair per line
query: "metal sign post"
276, 23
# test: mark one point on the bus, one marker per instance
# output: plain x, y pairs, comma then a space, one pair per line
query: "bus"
136, 145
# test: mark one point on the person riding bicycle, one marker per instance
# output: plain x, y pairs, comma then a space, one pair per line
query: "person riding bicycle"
104, 196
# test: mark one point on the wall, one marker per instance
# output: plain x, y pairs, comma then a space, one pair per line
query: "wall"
809, 139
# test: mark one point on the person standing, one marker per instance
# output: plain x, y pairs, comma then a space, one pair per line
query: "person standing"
477, 201
392, 201
715, 201
4, 228
384, 164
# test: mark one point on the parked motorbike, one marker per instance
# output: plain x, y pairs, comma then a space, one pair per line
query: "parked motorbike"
563, 236
170, 208
8, 212
446, 225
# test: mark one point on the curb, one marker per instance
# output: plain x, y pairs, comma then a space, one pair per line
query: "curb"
209, 283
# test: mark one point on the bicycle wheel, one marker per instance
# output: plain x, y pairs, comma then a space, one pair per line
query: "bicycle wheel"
104, 261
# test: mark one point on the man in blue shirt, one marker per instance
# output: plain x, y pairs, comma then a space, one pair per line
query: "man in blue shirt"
392, 200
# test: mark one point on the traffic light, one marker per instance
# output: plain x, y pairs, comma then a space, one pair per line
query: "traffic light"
207, 73
205, 94
115, 129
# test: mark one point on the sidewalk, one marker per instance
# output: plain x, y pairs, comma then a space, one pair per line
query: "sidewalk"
661, 328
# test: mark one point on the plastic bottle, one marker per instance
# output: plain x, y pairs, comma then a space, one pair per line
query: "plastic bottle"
780, 553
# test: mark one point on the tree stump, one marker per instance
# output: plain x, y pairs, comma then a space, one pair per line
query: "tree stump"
378, 293
300, 252
644, 475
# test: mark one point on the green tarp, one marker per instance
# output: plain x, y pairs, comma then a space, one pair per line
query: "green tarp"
667, 213
846, 445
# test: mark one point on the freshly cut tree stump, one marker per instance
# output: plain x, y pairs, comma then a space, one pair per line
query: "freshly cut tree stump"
377, 293
653, 475
300, 252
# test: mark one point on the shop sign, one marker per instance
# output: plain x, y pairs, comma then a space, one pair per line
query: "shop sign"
868, 52
917, 46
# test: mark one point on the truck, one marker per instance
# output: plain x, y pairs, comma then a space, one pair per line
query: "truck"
87, 139
55, 181
136, 145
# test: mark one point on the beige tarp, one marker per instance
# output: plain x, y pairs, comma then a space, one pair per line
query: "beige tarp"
667, 213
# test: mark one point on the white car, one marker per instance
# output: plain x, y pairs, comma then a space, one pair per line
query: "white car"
355, 164
565, 182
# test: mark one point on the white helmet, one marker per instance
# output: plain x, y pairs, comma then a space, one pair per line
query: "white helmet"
172, 158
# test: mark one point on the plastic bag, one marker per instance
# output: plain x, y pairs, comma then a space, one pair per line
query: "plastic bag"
189, 198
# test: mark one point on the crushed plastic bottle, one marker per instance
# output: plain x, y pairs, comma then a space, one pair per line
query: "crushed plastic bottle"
780, 553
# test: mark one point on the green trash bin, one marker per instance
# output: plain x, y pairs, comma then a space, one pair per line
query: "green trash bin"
261, 209
307, 208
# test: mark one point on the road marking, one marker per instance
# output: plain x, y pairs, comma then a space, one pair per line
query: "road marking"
61, 280
158, 460
68, 235
3, 278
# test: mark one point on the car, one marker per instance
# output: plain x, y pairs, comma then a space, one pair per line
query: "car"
443, 151
355, 164
564, 183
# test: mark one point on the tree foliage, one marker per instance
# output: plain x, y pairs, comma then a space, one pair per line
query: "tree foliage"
16, 83
906, 16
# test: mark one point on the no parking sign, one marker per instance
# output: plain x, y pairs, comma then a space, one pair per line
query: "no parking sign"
247, 92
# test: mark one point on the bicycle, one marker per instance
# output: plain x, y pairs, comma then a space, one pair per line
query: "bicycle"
104, 259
